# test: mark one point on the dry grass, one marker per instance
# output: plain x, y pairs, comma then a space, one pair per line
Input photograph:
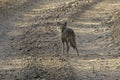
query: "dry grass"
32, 39
116, 27
35, 68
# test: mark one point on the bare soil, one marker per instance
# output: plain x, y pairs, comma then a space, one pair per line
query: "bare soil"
30, 46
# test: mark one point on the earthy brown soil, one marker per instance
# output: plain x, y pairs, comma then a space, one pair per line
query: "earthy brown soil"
30, 46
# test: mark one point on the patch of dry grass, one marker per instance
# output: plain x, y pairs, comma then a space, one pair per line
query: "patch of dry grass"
116, 27
35, 68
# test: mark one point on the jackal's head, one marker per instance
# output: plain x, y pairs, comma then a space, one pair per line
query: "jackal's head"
62, 25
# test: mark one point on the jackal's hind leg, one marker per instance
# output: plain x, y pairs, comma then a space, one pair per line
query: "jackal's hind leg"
67, 48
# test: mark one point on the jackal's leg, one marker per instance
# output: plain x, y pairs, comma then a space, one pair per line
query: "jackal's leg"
63, 47
67, 48
77, 51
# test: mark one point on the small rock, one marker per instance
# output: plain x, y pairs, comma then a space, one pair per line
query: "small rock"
110, 45
99, 37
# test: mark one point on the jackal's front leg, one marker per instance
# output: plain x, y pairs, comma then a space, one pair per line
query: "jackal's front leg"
63, 47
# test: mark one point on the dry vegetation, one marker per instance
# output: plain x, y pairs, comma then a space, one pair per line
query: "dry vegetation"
116, 27
114, 23
35, 47
36, 68
13, 7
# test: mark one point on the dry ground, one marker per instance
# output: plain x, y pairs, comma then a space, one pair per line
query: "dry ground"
30, 40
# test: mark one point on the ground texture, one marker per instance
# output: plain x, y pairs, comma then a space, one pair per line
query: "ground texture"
30, 46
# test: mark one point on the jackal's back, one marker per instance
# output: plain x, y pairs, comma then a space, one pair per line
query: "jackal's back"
68, 35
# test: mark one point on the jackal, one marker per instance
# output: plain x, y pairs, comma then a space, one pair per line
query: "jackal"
68, 37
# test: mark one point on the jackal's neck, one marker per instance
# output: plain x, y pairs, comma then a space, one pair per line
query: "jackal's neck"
63, 28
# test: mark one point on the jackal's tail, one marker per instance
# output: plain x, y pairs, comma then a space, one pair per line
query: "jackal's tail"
73, 43
72, 40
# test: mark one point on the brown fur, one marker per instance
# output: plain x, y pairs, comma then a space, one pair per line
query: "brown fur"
68, 37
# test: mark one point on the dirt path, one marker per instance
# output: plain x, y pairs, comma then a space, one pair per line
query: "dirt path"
23, 18
97, 60
27, 29
27, 49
